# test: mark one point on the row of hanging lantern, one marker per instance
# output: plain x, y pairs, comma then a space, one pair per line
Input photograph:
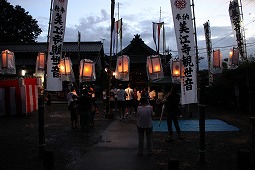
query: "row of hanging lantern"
87, 69
7, 62
233, 62
154, 68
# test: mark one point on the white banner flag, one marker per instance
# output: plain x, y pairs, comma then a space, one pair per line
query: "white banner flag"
184, 30
56, 39
236, 23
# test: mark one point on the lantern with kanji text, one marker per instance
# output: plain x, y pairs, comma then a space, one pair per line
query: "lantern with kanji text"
87, 71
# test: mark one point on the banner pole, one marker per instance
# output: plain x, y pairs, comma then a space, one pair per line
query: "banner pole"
201, 108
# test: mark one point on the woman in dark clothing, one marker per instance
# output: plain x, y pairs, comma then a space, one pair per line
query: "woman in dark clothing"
73, 106
85, 106
171, 108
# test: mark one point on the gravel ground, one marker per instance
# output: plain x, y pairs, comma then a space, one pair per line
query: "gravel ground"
19, 142
19, 139
221, 147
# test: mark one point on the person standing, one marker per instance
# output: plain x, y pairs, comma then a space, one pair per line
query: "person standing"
114, 91
93, 93
121, 96
112, 104
129, 100
145, 94
135, 100
171, 109
85, 108
138, 96
104, 99
153, 97
73, 106
70, 95
144, 125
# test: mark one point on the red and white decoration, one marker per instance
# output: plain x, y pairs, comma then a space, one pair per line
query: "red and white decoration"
18, 96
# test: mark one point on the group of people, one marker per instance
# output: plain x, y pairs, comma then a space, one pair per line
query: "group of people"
124, 101
145, 104
128, 101
82, 109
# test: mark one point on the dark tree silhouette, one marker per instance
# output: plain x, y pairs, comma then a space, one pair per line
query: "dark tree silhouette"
16, 24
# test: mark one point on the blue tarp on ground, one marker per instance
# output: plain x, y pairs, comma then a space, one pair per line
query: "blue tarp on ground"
211, 125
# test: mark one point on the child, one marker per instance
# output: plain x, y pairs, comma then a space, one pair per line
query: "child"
73, 111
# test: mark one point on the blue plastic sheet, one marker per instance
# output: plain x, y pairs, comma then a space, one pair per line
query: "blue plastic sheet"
211, 125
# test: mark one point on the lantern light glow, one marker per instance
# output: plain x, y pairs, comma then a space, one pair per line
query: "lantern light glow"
122, 68
23, 72
154, 67
176, 68
87, 70
40, 61
123, 65
65, 66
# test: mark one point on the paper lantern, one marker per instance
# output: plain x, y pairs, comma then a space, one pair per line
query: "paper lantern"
40, 65
176, 69
123, 64
40, 61
87, 70
154, 67
233, 57
217, 58
8, 62
122, 68
65, 66
65, 69
7, 57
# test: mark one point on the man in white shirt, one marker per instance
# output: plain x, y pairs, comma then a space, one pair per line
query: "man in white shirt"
129, 99
121, 95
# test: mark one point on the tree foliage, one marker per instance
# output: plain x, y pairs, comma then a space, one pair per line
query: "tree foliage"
16, 24
234, 85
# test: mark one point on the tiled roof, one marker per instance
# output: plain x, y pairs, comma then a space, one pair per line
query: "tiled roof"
25, 53
42, 46
137, 48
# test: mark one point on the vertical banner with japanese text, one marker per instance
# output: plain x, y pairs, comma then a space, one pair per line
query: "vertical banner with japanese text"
56, 39
184, 30
208, 42
236, 22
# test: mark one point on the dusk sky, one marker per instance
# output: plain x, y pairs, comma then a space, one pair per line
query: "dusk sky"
92, 19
